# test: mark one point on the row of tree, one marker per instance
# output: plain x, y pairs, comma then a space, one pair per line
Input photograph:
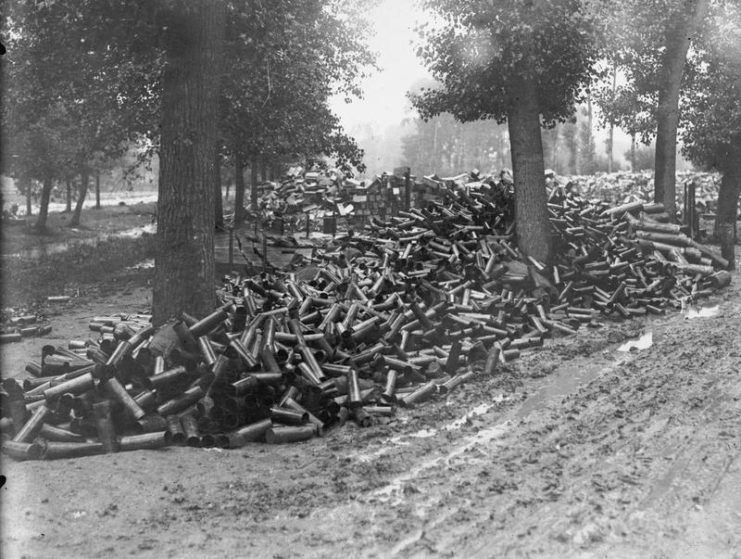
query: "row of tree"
529, 62
283, 63
446, 146
199, 82
205, 81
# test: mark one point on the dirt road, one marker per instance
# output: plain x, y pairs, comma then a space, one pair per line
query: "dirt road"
576, 450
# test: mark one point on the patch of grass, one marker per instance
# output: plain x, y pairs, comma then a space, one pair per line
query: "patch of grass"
93, 223
30, 281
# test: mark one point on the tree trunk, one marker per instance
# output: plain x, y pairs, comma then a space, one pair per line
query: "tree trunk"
184, 263
730, 188
44, 204
633, 153
219, 203
531, 214
97, 190
29, 208
253, 181
69, 196
586, 140
667, 112
503, 163
238, 187
611, 138
84, 180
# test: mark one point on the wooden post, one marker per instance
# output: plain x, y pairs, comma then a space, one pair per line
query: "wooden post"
689, 208
407, 190
97, 190
231, 248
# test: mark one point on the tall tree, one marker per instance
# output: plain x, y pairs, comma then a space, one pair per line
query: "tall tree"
184, 265
587, 164
680, 31
712, 106
522, 61
648, 42
62, 109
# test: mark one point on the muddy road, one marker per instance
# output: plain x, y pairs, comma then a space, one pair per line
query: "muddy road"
577, 449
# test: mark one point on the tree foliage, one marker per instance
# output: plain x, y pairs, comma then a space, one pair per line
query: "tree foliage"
62, 111
712, 106
650, 42
92, 70
636, 36
286, 60
480, 51
712, 96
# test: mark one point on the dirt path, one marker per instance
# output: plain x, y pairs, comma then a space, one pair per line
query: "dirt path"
576, 450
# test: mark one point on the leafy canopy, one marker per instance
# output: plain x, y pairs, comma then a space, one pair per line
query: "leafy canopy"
712, 102
481, 50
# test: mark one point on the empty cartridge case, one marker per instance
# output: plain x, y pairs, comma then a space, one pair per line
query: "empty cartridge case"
279, 435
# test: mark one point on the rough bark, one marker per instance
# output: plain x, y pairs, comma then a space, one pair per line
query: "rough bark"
184, 263
730, 188
218, 202
238, 187
667, 113
44, 204
84, 181
97, 190
531, 214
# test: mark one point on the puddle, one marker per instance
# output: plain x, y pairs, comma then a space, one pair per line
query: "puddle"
106, 199
135, 232
644, 342
143, 265
423, 434
55, 248
478, 410
565, 381
703, 312
395, 488
399, 440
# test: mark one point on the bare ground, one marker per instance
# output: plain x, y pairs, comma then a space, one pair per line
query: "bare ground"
575, 450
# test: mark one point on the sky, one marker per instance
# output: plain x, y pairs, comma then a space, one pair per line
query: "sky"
374, 120
391, 35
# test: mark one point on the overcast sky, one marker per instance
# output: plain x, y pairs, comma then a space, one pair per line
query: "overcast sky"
385, 100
